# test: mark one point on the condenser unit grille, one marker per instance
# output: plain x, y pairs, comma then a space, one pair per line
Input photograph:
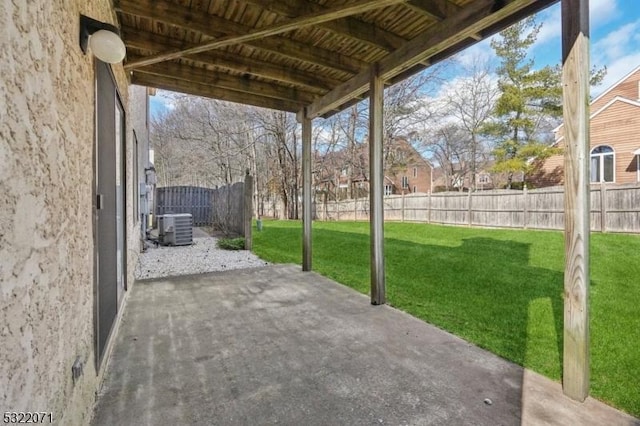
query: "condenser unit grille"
175, 229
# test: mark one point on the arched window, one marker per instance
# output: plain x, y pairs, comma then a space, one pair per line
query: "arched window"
602, 164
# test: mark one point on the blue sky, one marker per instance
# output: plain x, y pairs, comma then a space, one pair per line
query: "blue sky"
615, 43
615, 39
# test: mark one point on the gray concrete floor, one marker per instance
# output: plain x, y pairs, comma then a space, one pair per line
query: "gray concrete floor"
277, 346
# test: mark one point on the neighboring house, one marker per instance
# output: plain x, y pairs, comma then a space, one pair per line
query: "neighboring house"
405, 171
457, 177
615, 138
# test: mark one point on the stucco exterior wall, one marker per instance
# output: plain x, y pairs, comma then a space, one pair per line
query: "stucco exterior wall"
46, 213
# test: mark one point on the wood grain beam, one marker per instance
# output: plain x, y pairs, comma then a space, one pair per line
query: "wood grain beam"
435, 9
293, 24
453, 30
318, 84
376, 186
225, 81
176, 85
347, 27
218, 28
575, 102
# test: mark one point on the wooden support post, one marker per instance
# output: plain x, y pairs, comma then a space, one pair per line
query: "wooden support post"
376, 181
248, 210
307, 218
603, 207
575, 81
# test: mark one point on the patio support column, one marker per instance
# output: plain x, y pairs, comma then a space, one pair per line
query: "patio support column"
376, 182
575, 81
307, 199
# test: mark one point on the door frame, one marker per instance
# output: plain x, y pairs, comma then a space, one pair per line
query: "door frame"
100, 355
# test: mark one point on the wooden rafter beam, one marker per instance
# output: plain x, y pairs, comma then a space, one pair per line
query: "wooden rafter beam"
225, 81
318, 84
198, 89
218, 28
436, 9
293, 24
349, 27
470, 20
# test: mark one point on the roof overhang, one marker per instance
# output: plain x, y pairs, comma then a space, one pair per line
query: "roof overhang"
300, 54
636, 152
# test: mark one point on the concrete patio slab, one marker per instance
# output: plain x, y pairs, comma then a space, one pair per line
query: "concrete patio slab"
275, 345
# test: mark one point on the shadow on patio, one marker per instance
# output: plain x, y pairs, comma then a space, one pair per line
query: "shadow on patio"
276, 345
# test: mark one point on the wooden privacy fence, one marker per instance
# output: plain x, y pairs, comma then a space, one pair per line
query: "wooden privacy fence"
614, 208
228, 208
186, 199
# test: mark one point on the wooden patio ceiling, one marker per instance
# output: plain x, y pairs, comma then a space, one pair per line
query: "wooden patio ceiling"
290, 54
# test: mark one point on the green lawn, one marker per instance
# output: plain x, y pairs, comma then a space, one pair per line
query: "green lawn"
500, 289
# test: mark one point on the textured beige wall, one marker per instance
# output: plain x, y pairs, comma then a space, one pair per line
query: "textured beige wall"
46, 187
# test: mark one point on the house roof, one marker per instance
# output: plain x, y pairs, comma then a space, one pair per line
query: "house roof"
604, 108
603, 94
289, 54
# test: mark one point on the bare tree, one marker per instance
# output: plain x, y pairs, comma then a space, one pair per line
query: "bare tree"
471, 101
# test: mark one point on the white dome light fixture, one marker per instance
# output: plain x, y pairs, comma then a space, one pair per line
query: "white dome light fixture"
103, 39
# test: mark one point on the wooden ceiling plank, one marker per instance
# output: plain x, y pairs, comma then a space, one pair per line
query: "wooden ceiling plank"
349, 27
293, 24
435, 9
216, 27
318, 84
197, 89
470, 20
221, 80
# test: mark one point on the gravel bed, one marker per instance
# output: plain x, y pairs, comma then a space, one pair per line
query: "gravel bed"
200, 257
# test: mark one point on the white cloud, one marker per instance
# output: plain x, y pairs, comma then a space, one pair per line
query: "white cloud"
600, 13
480, 51
616, 44
617, 69
603, 11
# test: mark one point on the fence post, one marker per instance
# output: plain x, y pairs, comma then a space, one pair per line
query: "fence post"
355, 208
402, 206
603, 207
525, 207
469, 212
248, 210
429, 209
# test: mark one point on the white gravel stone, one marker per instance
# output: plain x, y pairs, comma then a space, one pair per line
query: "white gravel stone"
200, 257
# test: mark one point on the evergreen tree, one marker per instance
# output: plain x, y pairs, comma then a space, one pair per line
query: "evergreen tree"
529, 99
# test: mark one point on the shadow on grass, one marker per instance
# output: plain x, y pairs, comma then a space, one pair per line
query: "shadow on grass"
483, 289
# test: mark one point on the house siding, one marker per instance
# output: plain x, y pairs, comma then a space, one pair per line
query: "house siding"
629, 89
47, 138
616, 123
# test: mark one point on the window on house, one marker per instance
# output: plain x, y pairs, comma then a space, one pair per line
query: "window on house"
602, 164
483, 178
415, 172
388, 190
405, 182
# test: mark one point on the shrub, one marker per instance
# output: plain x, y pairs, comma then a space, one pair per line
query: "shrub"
231, 243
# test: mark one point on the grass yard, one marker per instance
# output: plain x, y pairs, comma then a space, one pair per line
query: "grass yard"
500, 289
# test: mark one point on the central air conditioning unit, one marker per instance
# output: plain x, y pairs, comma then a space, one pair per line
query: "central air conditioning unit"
175, 229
